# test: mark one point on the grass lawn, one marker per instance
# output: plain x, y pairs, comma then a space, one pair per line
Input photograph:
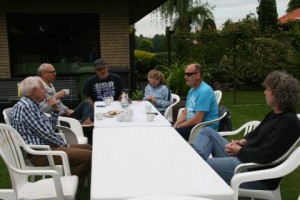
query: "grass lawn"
248, 106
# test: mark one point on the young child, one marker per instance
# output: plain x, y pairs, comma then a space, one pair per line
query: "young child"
157, 92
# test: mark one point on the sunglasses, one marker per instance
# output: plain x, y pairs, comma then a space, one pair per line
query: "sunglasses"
190, 74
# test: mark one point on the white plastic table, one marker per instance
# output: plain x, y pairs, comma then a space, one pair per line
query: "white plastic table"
138, 118
131, 162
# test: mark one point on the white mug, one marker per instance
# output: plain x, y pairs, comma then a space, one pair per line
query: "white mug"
99, 116
119, 117
66, 91
107, 101
150, 117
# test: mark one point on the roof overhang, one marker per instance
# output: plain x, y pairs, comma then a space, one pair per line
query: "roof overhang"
140, 8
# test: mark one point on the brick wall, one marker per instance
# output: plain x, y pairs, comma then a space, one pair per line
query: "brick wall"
113, 18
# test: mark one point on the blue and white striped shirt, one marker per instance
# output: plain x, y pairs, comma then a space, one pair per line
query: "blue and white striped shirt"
33, 125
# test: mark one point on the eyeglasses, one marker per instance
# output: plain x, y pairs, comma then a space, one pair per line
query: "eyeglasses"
189, 74
52, 72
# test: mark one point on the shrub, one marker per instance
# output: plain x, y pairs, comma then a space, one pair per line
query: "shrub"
142, 61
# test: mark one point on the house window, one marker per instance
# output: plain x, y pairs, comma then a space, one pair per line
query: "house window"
68, 41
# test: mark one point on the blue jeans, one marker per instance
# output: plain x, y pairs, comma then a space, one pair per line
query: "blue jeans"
83, 111
211, 142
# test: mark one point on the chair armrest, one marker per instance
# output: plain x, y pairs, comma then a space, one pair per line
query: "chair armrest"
245, 166
196, 129
251, 165
43, 147
289, 165
50, 153
228, 133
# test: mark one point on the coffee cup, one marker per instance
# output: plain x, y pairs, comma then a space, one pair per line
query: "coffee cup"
107, 101
119, 117
66, 91
99, 116
150, 117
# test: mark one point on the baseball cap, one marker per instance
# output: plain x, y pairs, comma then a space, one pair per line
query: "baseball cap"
99, 63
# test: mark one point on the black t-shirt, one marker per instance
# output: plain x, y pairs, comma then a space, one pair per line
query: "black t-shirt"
99, 89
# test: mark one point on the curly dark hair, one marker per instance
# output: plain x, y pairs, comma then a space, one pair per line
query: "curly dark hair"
285, 89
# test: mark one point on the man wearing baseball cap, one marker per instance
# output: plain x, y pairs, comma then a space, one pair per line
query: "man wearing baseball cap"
103, 84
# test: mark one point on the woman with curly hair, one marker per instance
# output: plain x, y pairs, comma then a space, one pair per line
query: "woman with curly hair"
279, 128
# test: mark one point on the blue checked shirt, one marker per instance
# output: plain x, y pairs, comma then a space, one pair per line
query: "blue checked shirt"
33, 125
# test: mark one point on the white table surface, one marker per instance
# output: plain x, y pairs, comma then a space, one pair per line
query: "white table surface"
138, 118
140, 161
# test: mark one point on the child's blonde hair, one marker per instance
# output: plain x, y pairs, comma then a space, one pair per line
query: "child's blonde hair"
155, 74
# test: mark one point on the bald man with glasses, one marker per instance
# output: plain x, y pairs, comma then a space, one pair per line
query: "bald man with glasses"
201, 104
84, 112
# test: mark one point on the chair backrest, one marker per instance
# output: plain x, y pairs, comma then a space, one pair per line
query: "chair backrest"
70, 127
11, 153
180, 111
6, 113
169, 111
196, 129
218, 94
74, 124
298, 115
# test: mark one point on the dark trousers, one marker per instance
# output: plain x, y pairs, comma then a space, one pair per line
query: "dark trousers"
185, 132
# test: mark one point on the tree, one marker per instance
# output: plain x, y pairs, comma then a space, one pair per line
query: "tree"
293, 5
209, 24
158, 43
185, 14
145, 45
267, 15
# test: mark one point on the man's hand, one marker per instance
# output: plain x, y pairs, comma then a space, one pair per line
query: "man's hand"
233, 148
69, 112
60, 94
53, 103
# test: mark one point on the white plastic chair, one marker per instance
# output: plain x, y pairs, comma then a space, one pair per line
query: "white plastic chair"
247, 127
27, 161
218, 94
57, 187
76, 127
5, 113
290, 164
169, 111
298, 115
196, 129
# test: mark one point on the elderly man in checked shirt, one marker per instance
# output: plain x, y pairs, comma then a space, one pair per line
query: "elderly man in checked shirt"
36, 128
